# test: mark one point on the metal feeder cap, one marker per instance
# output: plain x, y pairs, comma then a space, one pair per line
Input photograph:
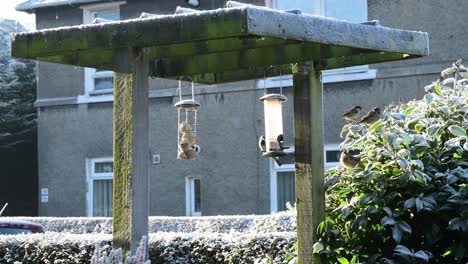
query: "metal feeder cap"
187, 104
274, 96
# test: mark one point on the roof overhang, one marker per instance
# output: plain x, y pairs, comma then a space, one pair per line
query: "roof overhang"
31, 5
224, 45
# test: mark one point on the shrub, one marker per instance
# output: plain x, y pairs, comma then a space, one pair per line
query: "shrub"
407, 200
164, 248
115, 256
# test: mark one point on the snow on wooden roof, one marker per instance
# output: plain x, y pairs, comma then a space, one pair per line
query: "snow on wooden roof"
222, 45
30, 5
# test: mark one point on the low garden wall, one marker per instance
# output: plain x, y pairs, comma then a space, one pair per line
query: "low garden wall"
221, 239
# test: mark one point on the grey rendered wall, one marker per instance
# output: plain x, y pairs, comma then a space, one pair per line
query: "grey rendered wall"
235, 179
53, 80
444, 21
67, 136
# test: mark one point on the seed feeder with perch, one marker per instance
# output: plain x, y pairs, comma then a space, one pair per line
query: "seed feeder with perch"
272, 143
187, 147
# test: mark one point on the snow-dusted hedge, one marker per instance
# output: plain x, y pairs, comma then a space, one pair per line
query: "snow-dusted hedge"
280, 222
164, 248
217, 239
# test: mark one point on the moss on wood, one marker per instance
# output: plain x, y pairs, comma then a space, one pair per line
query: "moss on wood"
123, 120
308, 133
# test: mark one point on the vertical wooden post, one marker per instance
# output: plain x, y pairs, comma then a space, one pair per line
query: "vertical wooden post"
308, 132
130, 194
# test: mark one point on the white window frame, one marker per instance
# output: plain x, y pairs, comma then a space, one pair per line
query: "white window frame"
91, 175
190, 196
274, 169
89, 12
329, 76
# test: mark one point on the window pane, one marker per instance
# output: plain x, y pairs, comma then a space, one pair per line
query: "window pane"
105, 83
333, 156
103, 167
197, 195
307, 6
352, 11
109, 15
286, 189
102, 198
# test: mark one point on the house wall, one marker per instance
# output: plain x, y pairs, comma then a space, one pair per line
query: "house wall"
234, 178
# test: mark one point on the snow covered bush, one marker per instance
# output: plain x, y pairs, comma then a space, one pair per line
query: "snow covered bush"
279, 222
407, 200
164, 248
115, 255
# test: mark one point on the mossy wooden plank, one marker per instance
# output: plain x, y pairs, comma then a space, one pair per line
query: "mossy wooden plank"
361, 59
309, 163
324, 64
272, 23
99, 59
249, 58
237, 75
215, 46
130, 191
147, 32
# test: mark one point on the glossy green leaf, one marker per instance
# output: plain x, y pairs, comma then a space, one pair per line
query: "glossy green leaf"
343, 260
457, 131
318, 247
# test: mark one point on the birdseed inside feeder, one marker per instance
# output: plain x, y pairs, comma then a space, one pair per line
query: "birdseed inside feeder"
187, 147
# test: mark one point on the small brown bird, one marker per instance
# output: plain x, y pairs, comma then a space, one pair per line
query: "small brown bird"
371, 117
262, 147
349, 161
352, 114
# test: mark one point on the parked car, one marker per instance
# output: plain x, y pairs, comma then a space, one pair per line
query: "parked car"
13, 227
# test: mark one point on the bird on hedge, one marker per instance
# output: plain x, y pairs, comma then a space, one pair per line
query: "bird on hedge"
352, 114
371, 117
348, 160
262, 147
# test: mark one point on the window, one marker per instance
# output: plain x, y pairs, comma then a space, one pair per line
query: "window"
99, 195
193, 196
332, 155
307, 6
282, 178
282, 183
99, 81
352, 11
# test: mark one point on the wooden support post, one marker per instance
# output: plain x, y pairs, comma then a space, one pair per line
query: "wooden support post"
308, 132
130, 197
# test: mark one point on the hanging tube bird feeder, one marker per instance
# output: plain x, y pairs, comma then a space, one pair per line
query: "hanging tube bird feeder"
187, 147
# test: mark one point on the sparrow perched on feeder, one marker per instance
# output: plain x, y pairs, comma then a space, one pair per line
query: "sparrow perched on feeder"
349, 161
371, 117
262, 147
352, 114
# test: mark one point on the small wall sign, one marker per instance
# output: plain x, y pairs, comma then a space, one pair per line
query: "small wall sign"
44, 195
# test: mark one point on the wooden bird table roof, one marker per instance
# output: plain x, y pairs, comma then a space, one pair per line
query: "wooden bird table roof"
229, 44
